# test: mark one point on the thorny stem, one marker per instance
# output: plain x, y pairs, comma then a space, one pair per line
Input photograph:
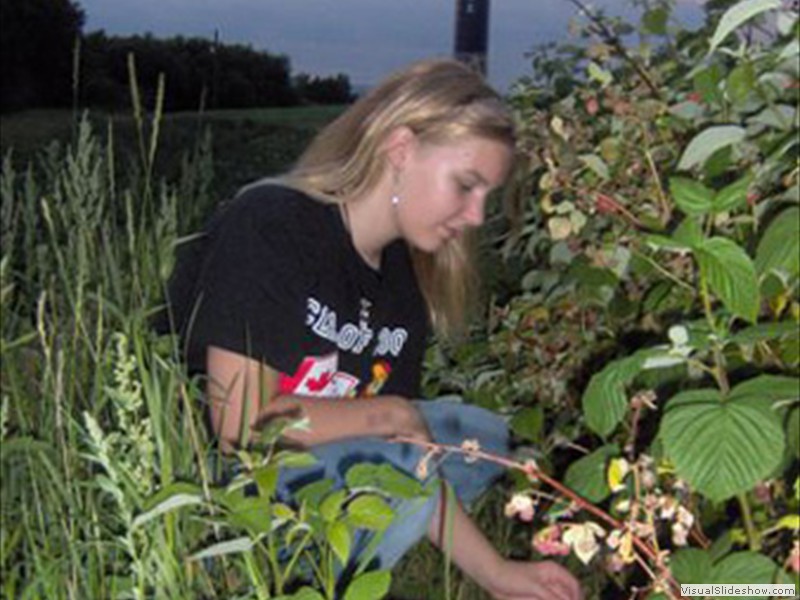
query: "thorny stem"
532, 472
666, 211
612, 40
663, 271
719, 365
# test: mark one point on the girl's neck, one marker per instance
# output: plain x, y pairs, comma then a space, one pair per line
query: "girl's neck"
372, 224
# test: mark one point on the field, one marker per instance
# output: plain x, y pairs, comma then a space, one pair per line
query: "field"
245, 144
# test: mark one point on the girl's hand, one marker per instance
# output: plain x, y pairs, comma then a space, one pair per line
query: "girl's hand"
546, 580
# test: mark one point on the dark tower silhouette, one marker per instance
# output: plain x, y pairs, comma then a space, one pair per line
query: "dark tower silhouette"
472, 32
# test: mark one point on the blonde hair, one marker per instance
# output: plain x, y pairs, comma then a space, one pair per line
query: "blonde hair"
441, 101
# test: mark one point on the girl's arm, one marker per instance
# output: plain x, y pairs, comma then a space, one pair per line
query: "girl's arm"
237, 382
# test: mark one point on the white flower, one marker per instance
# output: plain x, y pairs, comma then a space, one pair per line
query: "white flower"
680, 534
582, 538
522, 505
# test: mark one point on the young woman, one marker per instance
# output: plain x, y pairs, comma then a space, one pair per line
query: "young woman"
314, 295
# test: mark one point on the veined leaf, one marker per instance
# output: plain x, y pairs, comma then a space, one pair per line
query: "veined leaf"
331, 506
764, 332
691, 565
338, 536
721, 447
587, 475
369, 586
732, 196
604, 400
689, 232
779, 248
692, 197
773, 388
383, 478
747, 567
707, 142
731, 276
741, 82
370, 512
737, 15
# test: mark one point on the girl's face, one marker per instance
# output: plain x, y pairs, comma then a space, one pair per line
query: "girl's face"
443, 188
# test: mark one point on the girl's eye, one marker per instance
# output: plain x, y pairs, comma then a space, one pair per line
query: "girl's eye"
465, 188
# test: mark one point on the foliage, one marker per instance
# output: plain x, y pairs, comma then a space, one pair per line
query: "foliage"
110, 485
200, 73
324, 90
644, 326
36, 51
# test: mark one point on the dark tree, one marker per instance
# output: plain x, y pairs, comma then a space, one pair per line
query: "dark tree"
36, 51
324, 90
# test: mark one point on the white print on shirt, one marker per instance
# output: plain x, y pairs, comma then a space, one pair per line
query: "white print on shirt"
319, 376
351, 337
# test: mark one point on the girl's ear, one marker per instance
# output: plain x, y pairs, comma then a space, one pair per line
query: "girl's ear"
399, 144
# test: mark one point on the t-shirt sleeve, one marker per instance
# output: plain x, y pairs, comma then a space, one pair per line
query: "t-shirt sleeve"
252, 288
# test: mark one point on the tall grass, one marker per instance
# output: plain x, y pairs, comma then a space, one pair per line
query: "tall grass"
106, 490
97, 412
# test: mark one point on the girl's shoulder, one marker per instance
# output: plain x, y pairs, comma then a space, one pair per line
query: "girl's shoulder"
272, 203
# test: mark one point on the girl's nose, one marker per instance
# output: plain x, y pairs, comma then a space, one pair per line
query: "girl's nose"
474, 211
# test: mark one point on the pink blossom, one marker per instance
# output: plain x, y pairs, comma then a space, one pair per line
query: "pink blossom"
520, 505
547, 541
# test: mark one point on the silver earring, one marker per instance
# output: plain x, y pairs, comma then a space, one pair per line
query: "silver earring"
395, 199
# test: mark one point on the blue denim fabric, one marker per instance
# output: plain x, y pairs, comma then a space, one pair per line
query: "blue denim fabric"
450, 422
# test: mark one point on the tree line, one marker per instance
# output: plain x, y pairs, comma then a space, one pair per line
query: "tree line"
48, 61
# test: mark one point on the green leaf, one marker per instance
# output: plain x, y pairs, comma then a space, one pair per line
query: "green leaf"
764, 332
370, 512
706, 83
304, 593
235, 546
692, 197
599, 74
655, 21
732, 196
744, 567
266, 480
730, 275
707, 142
331, 506
528, 423
737, 15
252, 513
338, 536
741, 82
587, 476
604, 400
314, 492
722, 448
690, 565
369, 586
689, 232
295, 460
383, 478
773, 388
596, 164
171, 502
779, 248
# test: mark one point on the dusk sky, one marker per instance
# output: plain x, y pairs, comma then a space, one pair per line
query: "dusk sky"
365, 39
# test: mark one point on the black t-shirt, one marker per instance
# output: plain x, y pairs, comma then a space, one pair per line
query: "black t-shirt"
275, 277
